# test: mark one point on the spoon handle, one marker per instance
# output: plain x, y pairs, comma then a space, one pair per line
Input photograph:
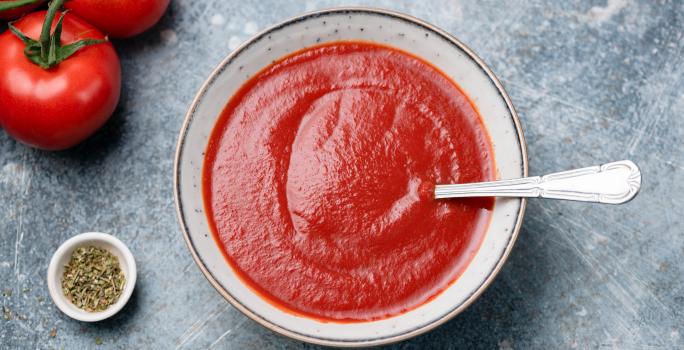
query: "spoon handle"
612, 183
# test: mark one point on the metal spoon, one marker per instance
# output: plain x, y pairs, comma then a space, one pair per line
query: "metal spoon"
612, 183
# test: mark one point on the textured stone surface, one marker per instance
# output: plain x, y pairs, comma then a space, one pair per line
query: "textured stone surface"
592, 81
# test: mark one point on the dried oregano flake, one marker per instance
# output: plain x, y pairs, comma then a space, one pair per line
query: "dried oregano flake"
93, 279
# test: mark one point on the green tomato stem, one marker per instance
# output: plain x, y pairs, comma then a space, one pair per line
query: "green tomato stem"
9, 5
47, 27
48, 51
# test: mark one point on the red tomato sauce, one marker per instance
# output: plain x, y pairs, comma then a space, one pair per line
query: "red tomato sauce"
319, 176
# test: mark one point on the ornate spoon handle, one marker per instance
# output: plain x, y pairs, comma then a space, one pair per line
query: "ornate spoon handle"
612, 183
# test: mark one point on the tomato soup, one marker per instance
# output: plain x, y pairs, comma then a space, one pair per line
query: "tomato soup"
319, 181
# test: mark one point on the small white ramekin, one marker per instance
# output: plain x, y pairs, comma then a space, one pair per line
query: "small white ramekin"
61, 258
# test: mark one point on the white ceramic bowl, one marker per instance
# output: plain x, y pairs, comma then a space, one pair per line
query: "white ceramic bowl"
61, 258
389, 28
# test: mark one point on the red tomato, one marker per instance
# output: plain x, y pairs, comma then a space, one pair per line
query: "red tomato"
59, 107
119, 18
9, 15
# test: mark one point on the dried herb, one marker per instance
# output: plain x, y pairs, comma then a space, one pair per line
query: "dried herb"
6, 313
93, 279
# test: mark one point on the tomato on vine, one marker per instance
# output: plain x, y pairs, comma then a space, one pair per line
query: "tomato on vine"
119, 18
57, 90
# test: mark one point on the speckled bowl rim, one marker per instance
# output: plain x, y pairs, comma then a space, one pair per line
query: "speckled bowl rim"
361, 343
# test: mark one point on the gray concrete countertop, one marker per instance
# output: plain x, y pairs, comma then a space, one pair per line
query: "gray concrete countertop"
593, 81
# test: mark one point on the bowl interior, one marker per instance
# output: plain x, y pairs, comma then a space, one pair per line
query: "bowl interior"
388, 28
